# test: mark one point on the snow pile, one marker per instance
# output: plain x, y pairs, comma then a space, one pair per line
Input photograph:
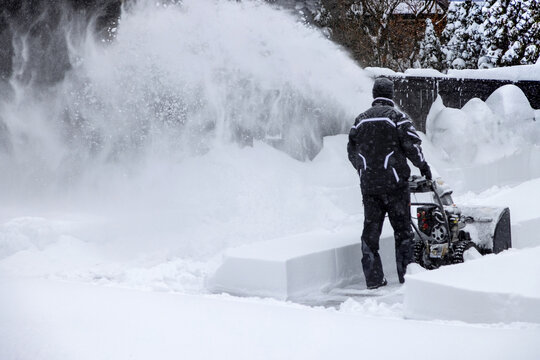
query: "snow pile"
496, 141
290, 268
301, 267
494, 288
512, 104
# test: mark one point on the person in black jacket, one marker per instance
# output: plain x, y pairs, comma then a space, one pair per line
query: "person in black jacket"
380, 142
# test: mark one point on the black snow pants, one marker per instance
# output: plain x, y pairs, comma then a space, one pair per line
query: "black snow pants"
397, 205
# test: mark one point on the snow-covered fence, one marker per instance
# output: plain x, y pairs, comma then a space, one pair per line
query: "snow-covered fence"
416, 94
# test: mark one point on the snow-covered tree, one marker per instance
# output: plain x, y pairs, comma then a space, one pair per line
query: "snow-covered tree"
531, 33
462, 38
512, 29
473, 35
516, 28
478, 33
450, 35
430, 54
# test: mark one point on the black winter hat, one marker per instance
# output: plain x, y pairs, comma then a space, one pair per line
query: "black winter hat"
383, 87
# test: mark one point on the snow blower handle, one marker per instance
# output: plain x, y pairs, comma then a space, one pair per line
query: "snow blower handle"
419, 184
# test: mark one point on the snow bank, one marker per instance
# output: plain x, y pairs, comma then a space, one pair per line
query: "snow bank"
290, 267
522, 200
486, 143
494, 288
513, 168
298, 267
510, 102
306, 264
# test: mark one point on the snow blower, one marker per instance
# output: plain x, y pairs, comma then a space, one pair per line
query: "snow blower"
445, 231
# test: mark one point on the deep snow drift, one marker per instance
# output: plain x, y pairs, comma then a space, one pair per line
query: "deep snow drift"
136, 172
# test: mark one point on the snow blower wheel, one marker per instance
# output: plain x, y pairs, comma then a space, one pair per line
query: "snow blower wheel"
459, 249
421, 256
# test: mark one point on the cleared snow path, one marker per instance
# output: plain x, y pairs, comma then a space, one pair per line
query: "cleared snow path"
81, 321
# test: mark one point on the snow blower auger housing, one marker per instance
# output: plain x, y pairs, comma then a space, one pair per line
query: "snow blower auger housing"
445, 231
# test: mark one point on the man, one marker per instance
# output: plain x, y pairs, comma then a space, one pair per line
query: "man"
380, 142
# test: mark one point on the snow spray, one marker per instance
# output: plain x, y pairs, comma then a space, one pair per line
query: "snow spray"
164, 137
176, 81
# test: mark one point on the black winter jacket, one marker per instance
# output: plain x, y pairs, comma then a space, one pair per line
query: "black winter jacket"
380, 142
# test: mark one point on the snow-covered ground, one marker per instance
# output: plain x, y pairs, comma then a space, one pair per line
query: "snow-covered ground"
47, 319
110, 259
69, 293
74, 287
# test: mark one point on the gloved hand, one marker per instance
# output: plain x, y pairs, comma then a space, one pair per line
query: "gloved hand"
426, 171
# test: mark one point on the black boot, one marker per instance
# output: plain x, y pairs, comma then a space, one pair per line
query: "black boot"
384, 283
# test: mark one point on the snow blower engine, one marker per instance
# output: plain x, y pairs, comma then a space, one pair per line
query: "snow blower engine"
444, 231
